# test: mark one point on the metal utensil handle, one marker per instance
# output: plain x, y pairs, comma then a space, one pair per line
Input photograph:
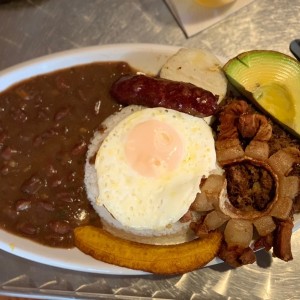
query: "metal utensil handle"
295, 48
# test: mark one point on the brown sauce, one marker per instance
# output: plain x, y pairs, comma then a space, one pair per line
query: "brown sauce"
46, 123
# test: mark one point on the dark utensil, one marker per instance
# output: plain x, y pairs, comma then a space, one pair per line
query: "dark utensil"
295, 48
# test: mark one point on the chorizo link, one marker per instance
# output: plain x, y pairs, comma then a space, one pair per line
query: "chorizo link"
158, 92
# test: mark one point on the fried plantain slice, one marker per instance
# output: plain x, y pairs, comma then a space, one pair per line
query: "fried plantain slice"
158, 259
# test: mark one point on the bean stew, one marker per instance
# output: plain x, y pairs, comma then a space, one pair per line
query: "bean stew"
46, 123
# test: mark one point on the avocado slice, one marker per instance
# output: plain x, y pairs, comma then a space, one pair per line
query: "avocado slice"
271, 80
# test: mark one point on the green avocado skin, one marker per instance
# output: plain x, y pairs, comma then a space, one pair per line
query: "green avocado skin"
271, 81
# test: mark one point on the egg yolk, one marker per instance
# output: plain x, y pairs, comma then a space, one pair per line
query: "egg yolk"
153, 148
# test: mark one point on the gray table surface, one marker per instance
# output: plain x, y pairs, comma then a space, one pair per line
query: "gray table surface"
32, 28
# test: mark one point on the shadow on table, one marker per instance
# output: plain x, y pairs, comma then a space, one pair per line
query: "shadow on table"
11, 4
263, 260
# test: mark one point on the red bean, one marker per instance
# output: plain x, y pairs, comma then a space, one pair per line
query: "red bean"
27, 228
61, 83
22, 205
47, 205
8, 152
61, 113
19, 115
23, 94
4, 170
43, 137
54, 239
60, 227
32, 185
79, 149
10, 212
65, 197
82, 96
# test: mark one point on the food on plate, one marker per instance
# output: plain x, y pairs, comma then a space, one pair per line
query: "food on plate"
158, 92
46, 123
271, 81
256, 189
149, 166
159, 259
260, 188
282, 245
253, 196
116, 179
199, 67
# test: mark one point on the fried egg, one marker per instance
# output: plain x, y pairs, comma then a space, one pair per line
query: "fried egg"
149, 166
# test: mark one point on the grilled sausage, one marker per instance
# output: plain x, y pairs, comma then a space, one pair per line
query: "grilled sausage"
158, 92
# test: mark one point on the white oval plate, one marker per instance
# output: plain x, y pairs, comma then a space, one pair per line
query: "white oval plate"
148, 58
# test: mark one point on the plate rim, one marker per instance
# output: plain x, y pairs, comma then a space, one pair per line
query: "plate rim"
75, 53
